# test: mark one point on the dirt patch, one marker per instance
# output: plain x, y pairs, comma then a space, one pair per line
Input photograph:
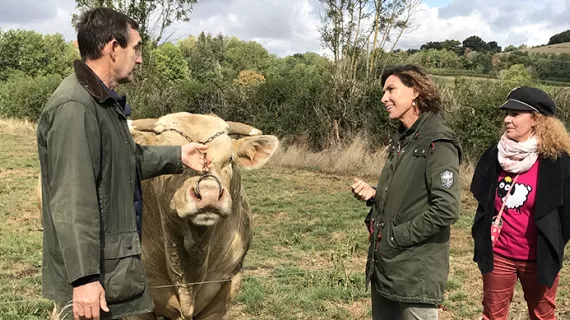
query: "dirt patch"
461, 242
359, 309
20, 270
281, 216
11, 173
26, 216
268, 267
237, 312
338, 236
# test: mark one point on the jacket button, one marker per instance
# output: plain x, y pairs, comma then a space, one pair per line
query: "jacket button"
129, 246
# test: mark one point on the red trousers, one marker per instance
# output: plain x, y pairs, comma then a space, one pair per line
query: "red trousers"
499, 287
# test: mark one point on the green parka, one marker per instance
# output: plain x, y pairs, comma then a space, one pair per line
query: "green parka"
88, 169
417, 199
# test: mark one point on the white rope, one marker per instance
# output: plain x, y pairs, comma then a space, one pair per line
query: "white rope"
244, 278
70, 303
67, 306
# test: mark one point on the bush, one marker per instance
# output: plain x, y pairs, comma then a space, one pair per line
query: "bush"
475, 118
516, 75
24, 97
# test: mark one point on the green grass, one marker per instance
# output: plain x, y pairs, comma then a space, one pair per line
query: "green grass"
20, 233
306, 260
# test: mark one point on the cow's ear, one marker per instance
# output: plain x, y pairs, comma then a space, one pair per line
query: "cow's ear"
254, 152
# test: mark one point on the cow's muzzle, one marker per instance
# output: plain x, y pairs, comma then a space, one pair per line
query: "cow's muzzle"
209, 195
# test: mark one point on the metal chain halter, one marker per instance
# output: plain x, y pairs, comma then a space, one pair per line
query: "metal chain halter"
205, 170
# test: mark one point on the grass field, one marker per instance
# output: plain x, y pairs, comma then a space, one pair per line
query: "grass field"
306, 260
553, 48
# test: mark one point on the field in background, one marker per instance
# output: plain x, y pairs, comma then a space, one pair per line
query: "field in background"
554, 48
308, 253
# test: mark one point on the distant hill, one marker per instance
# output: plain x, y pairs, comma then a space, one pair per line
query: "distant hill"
553, 48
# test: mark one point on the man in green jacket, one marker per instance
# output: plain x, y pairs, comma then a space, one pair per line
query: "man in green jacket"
416, 200
90, 177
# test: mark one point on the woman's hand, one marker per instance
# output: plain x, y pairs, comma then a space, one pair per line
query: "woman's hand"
362, 190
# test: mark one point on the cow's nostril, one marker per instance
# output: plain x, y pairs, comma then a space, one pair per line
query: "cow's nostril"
196, 192
209, 176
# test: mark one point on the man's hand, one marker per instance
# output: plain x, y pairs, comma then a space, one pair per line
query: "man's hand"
362, 190
194, 156
88, 299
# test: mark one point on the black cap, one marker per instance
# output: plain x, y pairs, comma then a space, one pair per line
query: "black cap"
530, 99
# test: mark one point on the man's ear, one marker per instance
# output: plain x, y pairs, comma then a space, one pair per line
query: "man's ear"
110, 49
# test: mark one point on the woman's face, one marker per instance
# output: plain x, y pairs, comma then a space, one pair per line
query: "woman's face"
398, 98
519, 125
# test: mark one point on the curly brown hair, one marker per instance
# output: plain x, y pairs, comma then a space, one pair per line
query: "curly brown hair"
415, 77
553, 138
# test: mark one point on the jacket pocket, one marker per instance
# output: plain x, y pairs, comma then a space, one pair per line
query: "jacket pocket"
121, 267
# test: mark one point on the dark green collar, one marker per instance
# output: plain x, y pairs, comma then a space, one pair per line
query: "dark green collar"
404, 133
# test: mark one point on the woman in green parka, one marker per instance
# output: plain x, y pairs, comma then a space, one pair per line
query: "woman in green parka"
416, 200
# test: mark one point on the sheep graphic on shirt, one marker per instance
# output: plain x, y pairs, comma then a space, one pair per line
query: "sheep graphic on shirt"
518, 196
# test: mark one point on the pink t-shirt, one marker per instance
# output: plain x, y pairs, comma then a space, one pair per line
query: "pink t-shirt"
518, 235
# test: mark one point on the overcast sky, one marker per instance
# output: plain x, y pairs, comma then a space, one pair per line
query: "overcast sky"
285, 27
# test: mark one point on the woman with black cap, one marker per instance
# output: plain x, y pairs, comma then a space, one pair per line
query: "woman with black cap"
522, 186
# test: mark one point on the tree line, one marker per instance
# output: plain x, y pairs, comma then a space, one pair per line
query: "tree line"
319, 101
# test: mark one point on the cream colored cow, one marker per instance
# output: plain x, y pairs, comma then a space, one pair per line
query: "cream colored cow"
198, 229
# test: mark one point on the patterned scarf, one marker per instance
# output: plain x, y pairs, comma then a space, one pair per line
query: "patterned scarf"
517, 157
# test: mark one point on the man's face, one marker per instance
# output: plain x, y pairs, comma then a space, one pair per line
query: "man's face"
126, 59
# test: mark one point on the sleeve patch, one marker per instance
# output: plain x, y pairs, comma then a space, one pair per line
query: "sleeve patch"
446, 179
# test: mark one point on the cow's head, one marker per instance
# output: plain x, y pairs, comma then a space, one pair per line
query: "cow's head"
205, 199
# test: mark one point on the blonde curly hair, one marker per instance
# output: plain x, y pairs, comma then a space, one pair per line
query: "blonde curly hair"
553, 138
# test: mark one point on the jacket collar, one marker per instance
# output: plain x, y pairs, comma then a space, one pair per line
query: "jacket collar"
406, 132
90, 81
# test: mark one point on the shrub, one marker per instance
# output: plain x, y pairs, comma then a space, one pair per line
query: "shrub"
475, 118
24, 97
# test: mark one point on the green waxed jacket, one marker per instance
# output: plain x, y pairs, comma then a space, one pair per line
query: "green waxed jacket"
88, 165
417, 199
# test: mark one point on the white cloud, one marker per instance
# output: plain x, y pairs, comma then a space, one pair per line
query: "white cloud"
282, 27
55, 17
501, 21
288, 27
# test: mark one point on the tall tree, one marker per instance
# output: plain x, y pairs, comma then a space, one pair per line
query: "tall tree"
346, 30
32, 54
560, 37
356, 27
492, 46
396, 23
154, 16
475, 44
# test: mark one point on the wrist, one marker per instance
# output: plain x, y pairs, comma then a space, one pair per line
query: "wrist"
85, 280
